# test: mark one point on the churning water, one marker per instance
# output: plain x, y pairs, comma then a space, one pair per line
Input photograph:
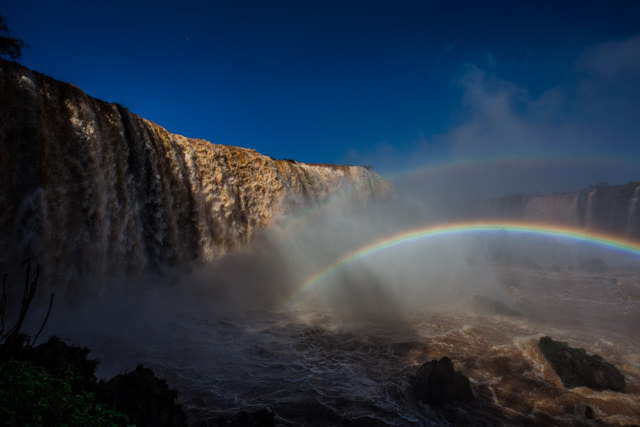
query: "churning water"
311, 369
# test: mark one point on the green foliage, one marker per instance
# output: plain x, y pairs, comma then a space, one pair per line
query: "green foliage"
29, 395
59, 358
10, 47
55, 384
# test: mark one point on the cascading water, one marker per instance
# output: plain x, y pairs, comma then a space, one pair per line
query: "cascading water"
611, 209
554, 209
589, 216
90, 190
633, 220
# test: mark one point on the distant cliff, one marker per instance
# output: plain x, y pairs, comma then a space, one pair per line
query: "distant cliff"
612, 209
90, 189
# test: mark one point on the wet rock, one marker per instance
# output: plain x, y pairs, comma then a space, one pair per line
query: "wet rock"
578, 369
492, 306
588, 413
204, 199
437, 383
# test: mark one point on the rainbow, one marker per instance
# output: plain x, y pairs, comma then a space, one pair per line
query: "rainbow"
536, 160
457, 165
451, 229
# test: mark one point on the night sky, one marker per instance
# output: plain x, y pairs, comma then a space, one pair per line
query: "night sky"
399, 85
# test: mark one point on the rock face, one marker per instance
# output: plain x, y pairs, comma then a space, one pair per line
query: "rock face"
612, 209
578, 369
89, 189
436, 383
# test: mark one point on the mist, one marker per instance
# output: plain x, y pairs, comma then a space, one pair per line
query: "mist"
305, 310
477, 187
307, 263
516, 136
323, 304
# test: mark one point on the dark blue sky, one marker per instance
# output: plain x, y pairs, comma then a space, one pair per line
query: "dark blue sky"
395, 84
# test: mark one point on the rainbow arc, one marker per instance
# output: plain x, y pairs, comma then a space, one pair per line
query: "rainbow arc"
452, 229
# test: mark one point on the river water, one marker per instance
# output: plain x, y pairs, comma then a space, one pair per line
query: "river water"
311, 368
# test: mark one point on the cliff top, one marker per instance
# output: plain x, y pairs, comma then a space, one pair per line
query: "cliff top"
72, 91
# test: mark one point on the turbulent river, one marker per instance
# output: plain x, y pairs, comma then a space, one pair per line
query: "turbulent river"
309, 368
317, 323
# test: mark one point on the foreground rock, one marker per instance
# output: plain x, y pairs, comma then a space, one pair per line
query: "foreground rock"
55, 384
436, 383
578, 369
145, 398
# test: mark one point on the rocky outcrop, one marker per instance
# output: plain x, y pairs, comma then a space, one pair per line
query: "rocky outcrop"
89, 189
578, 369
437, 383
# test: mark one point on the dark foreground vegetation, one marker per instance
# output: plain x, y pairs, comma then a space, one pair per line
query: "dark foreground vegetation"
55, 384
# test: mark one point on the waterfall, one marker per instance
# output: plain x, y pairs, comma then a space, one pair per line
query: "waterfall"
612, 209
554, 208
91, 190
590, 220
633, 221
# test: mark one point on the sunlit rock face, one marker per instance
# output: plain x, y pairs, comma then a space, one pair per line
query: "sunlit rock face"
612, 209
89, 189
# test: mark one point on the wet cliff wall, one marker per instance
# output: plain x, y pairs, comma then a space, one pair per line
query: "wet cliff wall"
612, 209
89, 189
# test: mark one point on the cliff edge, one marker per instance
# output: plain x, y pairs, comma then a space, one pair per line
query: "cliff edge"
88, 188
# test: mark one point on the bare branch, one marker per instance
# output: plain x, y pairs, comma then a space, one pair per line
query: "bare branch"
3, 302
35, 338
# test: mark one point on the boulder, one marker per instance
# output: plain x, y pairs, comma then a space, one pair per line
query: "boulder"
146, 399
578, 369
436, 383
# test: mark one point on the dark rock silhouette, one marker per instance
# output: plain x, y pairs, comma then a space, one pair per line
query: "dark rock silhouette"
145, 398
436, 383
578, 369
588, 413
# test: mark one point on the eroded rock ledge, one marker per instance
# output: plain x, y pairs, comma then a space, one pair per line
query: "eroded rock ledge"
88, 188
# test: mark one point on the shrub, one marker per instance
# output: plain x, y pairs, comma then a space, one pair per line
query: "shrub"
55, 383
30, 395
